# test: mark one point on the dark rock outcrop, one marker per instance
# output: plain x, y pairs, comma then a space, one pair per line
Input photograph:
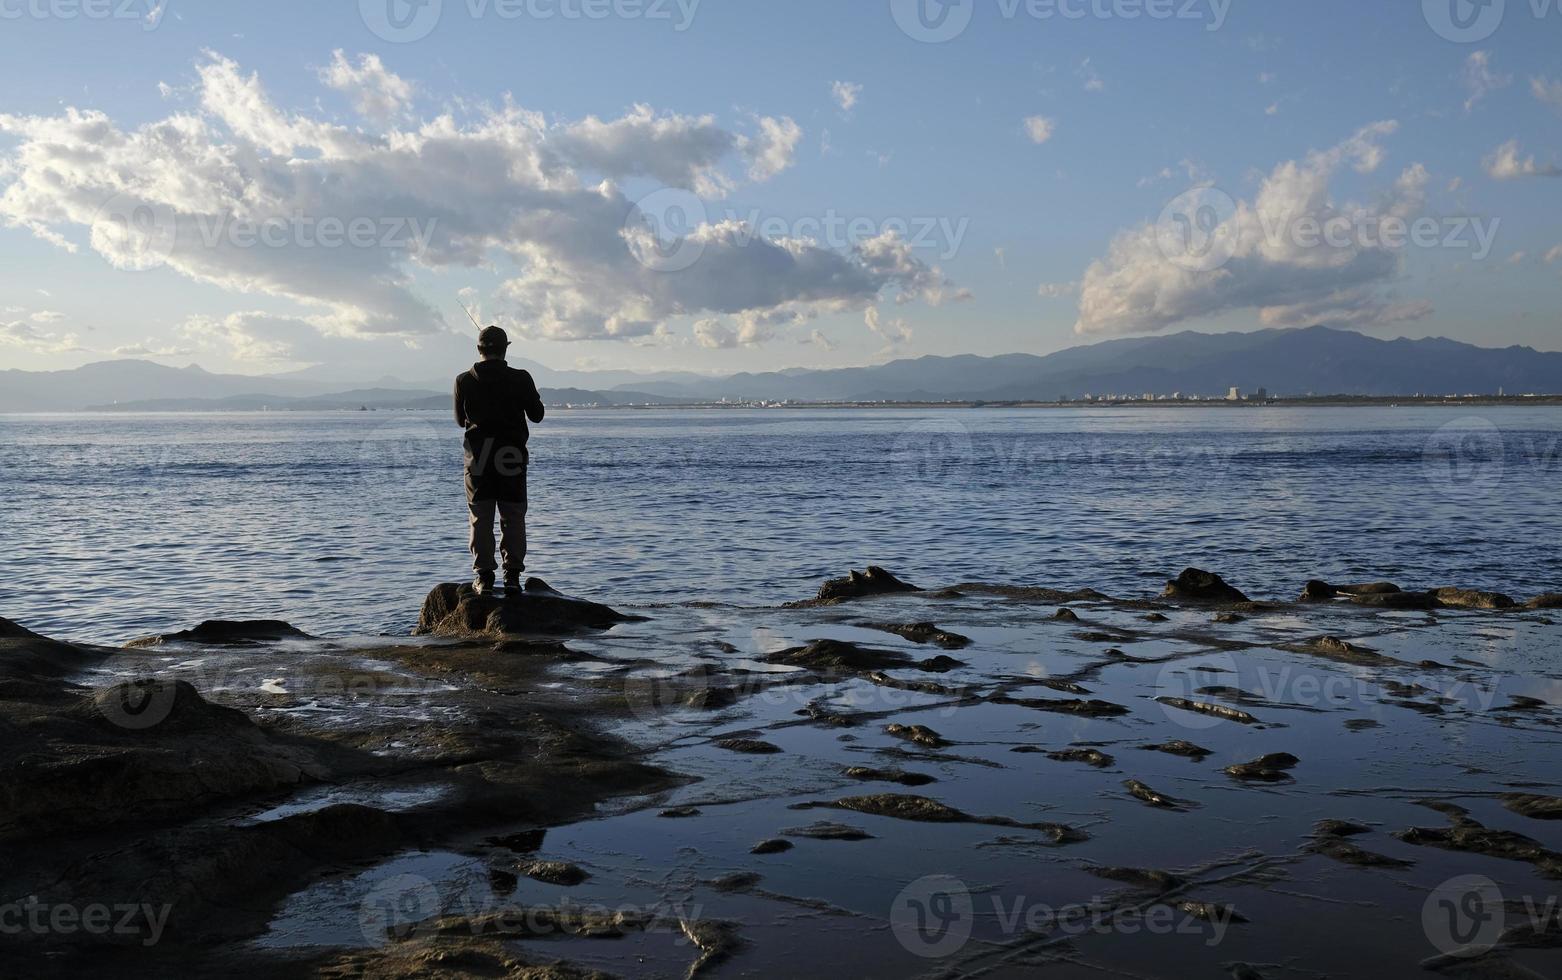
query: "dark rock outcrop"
222, 632
749, 746
1197, 585
1473, 599
773, 846
137, 751
1318, 591
1090, 757
898, 776
1369, 588
1396, 600
1159, 800
839, 656
924, 633
555, 872
1271, 768
10, 630
457, 611
1180, 747
1551, 600
857, 585
1534, 807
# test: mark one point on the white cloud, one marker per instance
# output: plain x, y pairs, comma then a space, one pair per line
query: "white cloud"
1479, 80
1057, 290
377, 94
1517, 257
1136, 288
47, 316
846, 94
27, 337
505, 189
818, 339
1273, 109
1040, 129
711, 334
773, 150
1547, 91
895, 333
1554, 255
1505, 163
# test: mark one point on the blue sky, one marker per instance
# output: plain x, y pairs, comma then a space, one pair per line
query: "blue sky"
1012, 183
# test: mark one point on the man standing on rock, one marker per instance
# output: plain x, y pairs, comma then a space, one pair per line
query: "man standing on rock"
493, 402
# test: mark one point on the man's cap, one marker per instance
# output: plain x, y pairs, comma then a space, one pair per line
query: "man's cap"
492, 338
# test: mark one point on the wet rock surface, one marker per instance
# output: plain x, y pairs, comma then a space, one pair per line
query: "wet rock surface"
562, 804
924, 633
875, 581
458, 612
217, 632
1197, 585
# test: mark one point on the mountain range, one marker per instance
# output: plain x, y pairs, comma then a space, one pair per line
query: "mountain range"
1295, 362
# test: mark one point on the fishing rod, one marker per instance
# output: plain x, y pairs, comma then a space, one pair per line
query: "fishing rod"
469, 315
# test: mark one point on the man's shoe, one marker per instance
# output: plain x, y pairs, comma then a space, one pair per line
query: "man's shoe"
483, 585
512, 583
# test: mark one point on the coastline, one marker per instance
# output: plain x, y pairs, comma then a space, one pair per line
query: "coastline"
491, 796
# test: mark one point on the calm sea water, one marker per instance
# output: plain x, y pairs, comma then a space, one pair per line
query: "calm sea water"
116, 526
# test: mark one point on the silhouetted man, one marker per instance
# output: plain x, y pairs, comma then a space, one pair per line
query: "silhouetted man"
493, 402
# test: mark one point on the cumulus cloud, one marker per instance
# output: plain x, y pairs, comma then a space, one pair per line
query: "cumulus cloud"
1287, 278
818, 339
895, 333
773, 149
680, 151
1506, 163
1547, 91
712, 335
257, 338
1057, 290
1479, 79
503, 188
23, 335
377, 94
846, 94
1039, 129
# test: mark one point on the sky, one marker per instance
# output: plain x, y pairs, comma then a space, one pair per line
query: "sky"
733, 185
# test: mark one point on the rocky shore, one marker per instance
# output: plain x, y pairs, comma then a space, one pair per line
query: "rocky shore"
532, 775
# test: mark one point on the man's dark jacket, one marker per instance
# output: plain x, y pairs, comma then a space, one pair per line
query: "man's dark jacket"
493, 402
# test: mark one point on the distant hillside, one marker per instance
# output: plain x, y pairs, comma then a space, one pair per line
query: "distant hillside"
376, 399
1313, 360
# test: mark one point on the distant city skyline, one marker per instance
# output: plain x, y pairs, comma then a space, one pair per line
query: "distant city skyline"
729, 187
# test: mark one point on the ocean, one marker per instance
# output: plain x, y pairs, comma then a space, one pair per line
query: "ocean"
117, 526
